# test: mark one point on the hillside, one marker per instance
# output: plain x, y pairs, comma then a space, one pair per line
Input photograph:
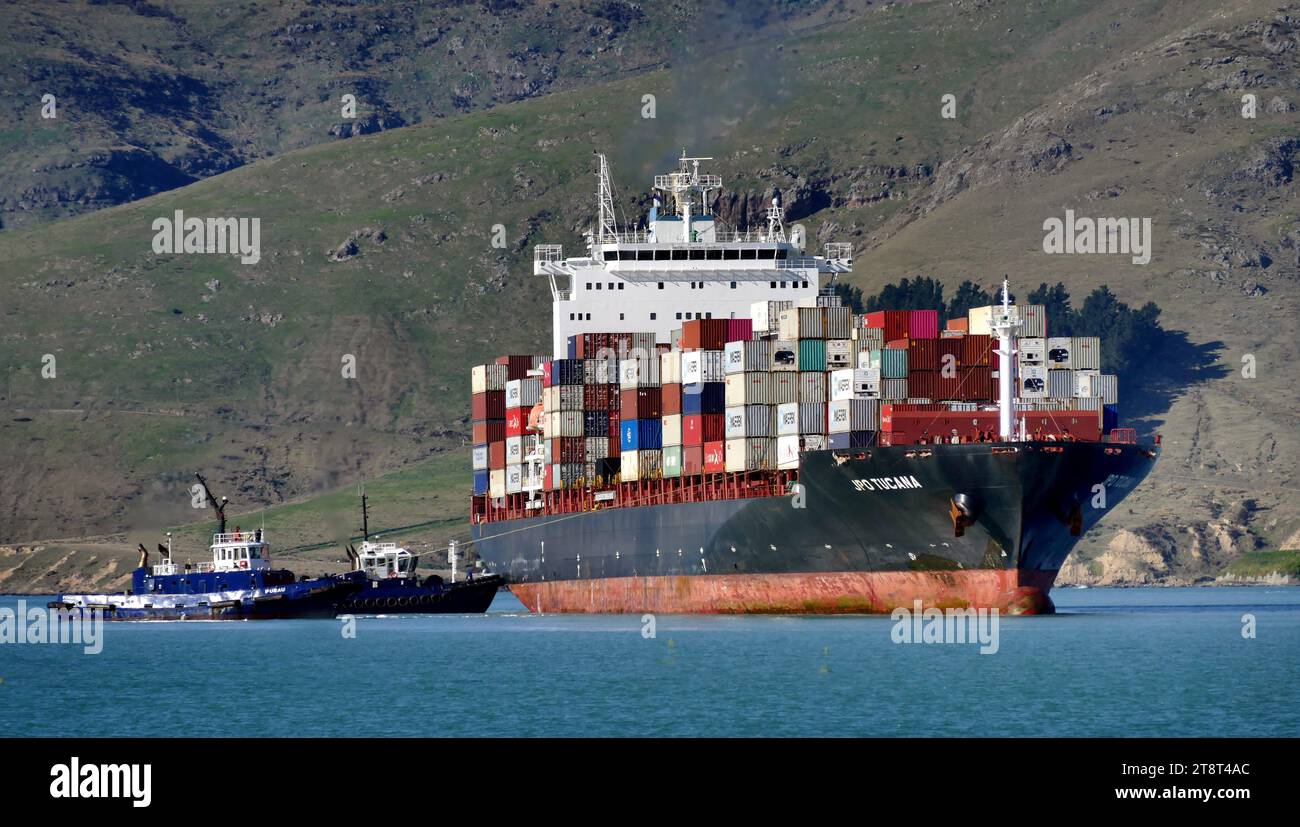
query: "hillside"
380, 247
153, 96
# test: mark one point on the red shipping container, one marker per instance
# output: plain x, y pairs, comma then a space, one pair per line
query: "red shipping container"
912, 427
975, 349
569, 449
671, 398
488, 405
693, 460
740, 330
642, 403
615, 445
704, 334
550, 477
496, 455
698, 429
491, 430
961, 325
893, 322
923, 324
515, 421
897, 344
977, 384
546, 374
922, 354
950, 386
715, 457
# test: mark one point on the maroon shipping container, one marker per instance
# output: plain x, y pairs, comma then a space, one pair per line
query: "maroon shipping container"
569, 449
488, 405
642, 403
893, 322
922, 354
693, 460
923, 324
912, 427
496, 455
950, 347
978, 384
950, 387
739, 330
517, 366
923, 384
672, 398
491, 430
704, 334
975, 349
615, 446
595, 397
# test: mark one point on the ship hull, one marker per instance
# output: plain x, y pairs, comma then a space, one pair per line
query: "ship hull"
868, 531
399, 597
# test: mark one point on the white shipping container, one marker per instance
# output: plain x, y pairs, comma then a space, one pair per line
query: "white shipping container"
571, 397
855, 384
599, 372
672, 430
1058, 352
480, 458
638, 373
670, 367
595, 447
514, 450
514, 479
523, 393
740, 357
750, 388
787, 452
641, 465
847, 415
1031, 351
497, 482
893, 389
800, 418
565, 423
1086, 383
750, 454
1086, 353
1032, 381
551, 399
765, 314
812, 386
1033, 317
708, 365
801, 323
484, 378
784, 354
869, 359
748, 420
839, 353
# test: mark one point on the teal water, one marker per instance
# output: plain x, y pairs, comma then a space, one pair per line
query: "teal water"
1113, 662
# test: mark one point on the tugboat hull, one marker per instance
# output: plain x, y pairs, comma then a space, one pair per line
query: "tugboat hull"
398, 597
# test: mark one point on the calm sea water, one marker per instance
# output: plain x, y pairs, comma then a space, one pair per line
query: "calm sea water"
1113, 662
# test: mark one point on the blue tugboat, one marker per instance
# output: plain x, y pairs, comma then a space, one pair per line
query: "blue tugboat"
392, 585
239, 584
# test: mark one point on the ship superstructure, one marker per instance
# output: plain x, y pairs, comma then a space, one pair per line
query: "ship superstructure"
682, 264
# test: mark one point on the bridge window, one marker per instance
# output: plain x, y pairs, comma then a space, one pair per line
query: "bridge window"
731, 254
620, 317
611, 285
661, 255
688, 314
627, 255
588, 317
714, 255
697, 255
773, 285
611, 255
620, 285
654, 316
679, 315
749, 253
679, 255
733, 285
661, 285
767, 253
782, 285
645, 255
597, 285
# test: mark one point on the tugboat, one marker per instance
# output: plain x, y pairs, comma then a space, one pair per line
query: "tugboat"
393, 586
239, 584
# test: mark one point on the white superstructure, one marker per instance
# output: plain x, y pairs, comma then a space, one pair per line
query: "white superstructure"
684, 264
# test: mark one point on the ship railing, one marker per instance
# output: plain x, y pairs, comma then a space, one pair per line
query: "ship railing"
800, 263
205, 567
548, 253
251, 537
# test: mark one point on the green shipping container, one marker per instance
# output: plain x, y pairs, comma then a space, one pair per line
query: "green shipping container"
812, 354
673, 461
893, 363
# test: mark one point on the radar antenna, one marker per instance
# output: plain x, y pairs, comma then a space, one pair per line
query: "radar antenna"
218, 506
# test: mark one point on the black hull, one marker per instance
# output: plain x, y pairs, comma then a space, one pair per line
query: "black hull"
388, 597
1028, 504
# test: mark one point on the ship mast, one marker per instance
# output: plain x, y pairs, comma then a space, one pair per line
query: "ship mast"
219, 507
365, 517
1006, 323
608, 227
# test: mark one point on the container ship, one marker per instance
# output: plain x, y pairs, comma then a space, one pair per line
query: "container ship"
714, 432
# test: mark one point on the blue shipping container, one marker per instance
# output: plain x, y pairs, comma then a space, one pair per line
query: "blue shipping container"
1109, 418
703, 398
567, 372
641, 435
573, 347
851, 439
480, 482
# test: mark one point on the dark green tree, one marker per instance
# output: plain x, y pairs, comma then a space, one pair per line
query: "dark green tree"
1061, 319
968, 295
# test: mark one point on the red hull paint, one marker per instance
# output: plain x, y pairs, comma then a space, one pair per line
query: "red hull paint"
855, 592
